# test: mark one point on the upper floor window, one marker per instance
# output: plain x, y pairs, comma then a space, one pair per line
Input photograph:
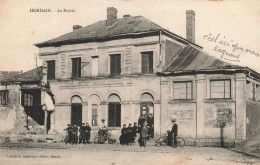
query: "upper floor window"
31, 98
27, 100
147, 62
76, 67
220, 89
182, 90
94, 66
115, 64
3, 97
51, 69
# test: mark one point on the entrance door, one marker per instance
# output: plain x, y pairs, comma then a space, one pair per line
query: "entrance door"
76, 114
145, 109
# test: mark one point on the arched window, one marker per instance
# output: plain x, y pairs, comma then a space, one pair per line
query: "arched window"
146, 97
114, 111
94, 106
76, 111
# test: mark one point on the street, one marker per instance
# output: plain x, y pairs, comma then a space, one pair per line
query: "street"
116, 154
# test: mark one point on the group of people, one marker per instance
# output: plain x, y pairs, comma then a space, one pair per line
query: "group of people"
72, 134
145, 129
128, 134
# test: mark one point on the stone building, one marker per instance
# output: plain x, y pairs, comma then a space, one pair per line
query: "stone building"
22, 97
119, 69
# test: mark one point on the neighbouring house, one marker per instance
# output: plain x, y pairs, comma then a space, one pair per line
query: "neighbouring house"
25, 103
7, 74
119, 69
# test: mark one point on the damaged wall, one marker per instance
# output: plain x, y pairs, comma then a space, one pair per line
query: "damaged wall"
12, 115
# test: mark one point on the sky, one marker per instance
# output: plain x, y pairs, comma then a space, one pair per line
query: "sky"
226, 29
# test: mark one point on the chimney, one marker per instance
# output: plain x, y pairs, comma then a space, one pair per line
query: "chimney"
75, 27
190, 25
111, 16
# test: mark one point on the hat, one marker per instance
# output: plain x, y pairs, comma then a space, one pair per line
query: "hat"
103, 120
68, 125
130, 124
173, 120
83, 123
135, 122
124, 125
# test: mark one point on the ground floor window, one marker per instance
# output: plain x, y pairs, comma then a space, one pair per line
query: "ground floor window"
76, 111
3, 97
114, 115
94, 115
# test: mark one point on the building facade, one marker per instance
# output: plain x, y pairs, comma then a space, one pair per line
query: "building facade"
119, 69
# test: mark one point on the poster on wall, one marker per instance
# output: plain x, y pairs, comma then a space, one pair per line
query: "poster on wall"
186, 115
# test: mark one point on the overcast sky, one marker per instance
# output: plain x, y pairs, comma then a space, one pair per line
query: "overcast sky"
235, 22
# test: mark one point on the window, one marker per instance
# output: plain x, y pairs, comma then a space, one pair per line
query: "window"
76, 67
3, 97
114, 111
220, 89
182, 90
50, 70
94, 66
115, 64
114, 115
147, 62
94, 115
27, 100
257, 94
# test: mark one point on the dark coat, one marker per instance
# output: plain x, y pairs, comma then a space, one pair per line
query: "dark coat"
69, 129
75, 130
141, 122
88, 130
150, 121
135, 130
82, 129
144, 132
124, 131
174, 129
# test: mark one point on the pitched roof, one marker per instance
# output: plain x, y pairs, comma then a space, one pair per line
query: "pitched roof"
126, 25
34, 75
7, 74
192, 59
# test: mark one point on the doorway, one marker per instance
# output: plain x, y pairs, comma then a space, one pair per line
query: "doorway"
145, 109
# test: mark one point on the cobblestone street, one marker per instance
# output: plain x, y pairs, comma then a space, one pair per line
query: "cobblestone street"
116, 154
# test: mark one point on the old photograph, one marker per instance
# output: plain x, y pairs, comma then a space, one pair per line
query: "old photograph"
129, 82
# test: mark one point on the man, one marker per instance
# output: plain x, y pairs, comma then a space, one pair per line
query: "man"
150, 122
82, 135
102, 129
141, 121
68, 139
174, 132
143, 135
88, 130
74, 134
123, 137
